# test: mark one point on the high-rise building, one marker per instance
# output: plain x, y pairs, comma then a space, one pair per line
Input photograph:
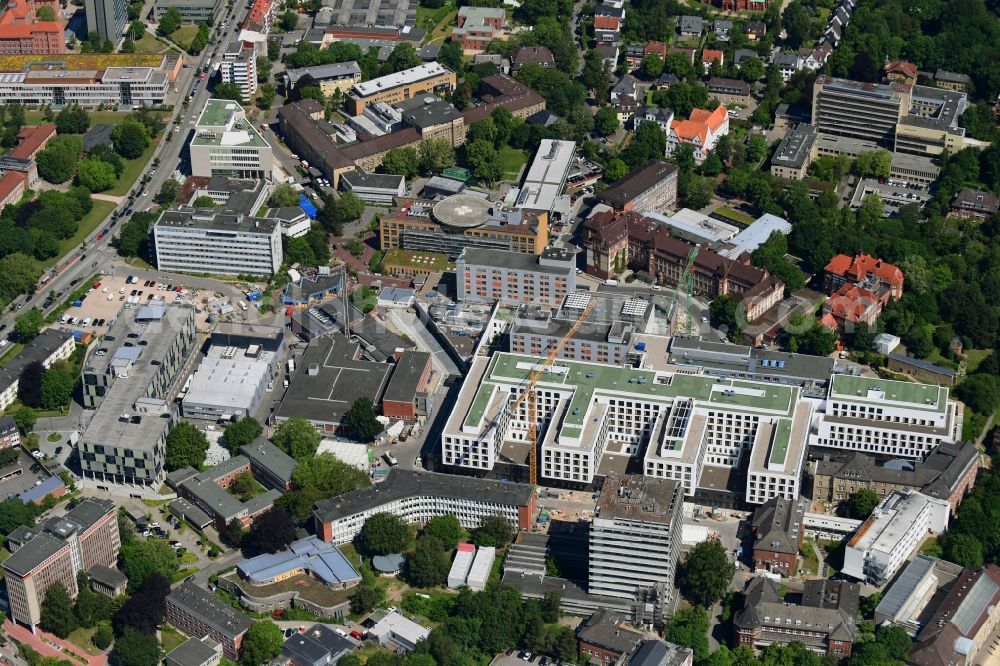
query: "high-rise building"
868, 111
207, 241
515, 277
56, 552
239, 66
107, 18
635, 538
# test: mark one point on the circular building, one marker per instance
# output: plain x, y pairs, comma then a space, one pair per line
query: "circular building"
462, 211
389, 565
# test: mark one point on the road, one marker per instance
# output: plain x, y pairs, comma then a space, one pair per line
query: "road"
98, 256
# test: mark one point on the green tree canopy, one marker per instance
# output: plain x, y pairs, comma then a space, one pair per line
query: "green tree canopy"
402, 162
72, 120
170, 22
317, 478
862, 503
495, 531
57, 387
445, 528
57, 611
130, 137
57, 162
142, 558
96, 175
134, 648
706, 573
429, 564
262, 643
241, 433
383, 534
272, 531
28, 325
606, 121
186, 446
284, 196
362, 420
297, 437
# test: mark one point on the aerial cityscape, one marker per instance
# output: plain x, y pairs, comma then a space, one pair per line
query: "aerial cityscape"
500, 332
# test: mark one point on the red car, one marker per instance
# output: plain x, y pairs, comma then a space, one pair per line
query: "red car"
278, 613
357, 634
100, 235
202, 77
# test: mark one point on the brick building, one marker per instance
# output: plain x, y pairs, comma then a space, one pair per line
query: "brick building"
407, 395
197, 612
22, 33
652, 186
778, 528
603, 637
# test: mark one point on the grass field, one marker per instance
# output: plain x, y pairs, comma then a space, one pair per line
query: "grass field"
443, 28
421, 259
184, 35
133, 169
512, 160
81, 638
150, 44
89, 222
170, 638
429, 18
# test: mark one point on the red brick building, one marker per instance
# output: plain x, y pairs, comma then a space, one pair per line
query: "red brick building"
22, 33
744, 5
883, 276
778, 528
409, 387
603, 637
31, 140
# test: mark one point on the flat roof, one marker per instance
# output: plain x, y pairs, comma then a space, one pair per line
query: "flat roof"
887, 392
637, 497
795, 147
407, 372
623, 191
755, 235
266, 455
191, 652
517, 261
208, 219
408, 76
695, 226
229, 383
328, 380
547, 175
336, 70
400, 484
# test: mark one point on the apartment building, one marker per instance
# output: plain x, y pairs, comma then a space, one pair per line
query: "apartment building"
107, 18
197, 612
635, 538
476, 27
896, 528
193, 11
651, 187
428, 78
948, 473
729, 91
512, 278
112, 86
417, 497
677, 424
203, 240
239, 66
887, 418
49, 347
778, 528
130, 386
702, 130
974, 203
796, 151
56, 551
22, 32
330, 78
824, 619
226, 144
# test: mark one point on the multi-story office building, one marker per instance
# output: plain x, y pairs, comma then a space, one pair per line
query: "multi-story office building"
887, 418
417, 497
462, 221
546, 177
330, 78
510, 278
107, 18
239, 66
22, 32
226, 144
651, 187
113, 86
896, 528
931, 126
795, 152
130, 385
635, 537
194, 11
199, 240
51, 346
428, 78
676, 424
867, 111
56, 551
198, 612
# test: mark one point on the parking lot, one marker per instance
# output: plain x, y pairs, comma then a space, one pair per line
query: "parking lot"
14, 484
101, 304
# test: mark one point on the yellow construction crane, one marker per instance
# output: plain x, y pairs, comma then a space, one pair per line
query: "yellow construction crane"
529, 391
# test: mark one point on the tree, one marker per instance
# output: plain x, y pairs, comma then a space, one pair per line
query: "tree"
170, 22
186, 446
228, 91
96, 175
874, 163
319, 478
289, 20
103, 636
402, 162
706, 573
284, 196
725, 314
168, 192
57, 388
494, 531
445, 529
615, 170
58, 160
265, 95
689, 628
57, 611
756, 148
752, 70
272, 531
29, 386
90, 607
797, 20
297, 437
428, 565
648, 143
606, 121
365, 599
234, 534
18, 274
862, 503
45, 13
14, 513
25, 418
652, 66
204, 201
262, 643
130, 137
383, 534
436, 155
964, 550
72, 120
136, 29
143, 558
27, 326
362, 421
241, 433
484, 160
403, 56
134, 648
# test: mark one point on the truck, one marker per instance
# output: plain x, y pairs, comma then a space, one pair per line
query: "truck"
291, 365
243, 306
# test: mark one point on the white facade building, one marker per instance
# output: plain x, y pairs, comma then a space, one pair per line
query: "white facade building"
226, 144
201, 241
884, 417
114, 86
239, 66
889, 536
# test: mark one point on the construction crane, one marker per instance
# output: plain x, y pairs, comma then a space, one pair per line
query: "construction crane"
688, 277
528, 392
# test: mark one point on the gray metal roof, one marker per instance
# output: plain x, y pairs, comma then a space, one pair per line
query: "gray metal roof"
210, 610
191, 652
273, 460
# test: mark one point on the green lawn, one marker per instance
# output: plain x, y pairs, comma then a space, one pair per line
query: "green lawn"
133, 169
184, 35
82, 639
89, 222
512, 160
428, 19
810, 562
11, 352
170, 638
973, 357
443, 29
150, 44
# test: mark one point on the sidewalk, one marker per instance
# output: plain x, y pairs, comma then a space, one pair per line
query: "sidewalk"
42, 643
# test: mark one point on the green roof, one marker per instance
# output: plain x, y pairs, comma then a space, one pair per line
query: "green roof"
779, 445
586, 378
218, 113
928, 397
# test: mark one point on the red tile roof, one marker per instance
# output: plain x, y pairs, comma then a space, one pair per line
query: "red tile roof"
863, 265
30, 139
10, 182
904, 67
712, 55
699, 124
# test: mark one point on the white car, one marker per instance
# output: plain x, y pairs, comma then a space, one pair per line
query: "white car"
145, 193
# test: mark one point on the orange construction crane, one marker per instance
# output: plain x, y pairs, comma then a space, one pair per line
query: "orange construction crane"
529, 391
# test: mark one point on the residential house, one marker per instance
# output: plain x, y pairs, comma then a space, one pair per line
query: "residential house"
634, 54
721, 28
974, 203
701, 131
952, 80
900, 71
534, 55
691, 26
729, 91
754, 30
710, 56
787, 64
879, 276
778, 528
653, 114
